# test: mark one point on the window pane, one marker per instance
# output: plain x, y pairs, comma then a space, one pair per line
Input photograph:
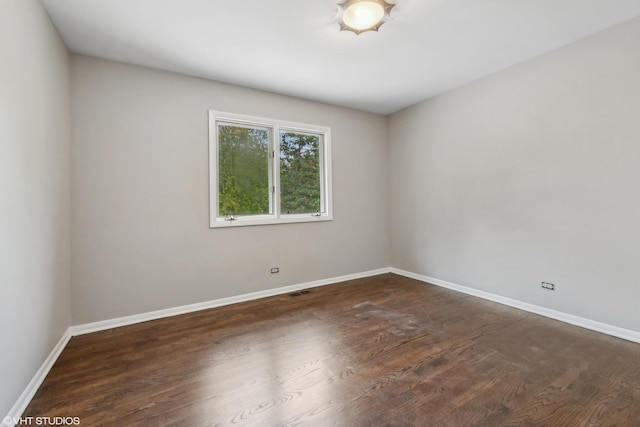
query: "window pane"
300, 184
243, 172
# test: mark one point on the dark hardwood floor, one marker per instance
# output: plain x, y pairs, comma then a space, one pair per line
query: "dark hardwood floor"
381, 351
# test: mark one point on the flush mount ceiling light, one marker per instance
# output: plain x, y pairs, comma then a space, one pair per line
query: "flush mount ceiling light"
363, 15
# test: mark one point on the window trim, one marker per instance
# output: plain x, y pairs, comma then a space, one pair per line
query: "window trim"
275, 126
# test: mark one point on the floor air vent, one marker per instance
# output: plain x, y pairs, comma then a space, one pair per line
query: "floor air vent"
297, 294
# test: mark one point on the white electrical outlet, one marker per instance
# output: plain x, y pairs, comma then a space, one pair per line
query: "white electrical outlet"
548, 286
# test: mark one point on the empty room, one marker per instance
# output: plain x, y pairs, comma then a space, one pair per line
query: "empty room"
320, 212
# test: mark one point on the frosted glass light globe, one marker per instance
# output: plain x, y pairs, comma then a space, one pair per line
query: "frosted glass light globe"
363, 15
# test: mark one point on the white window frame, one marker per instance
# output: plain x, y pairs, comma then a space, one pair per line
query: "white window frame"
275, 126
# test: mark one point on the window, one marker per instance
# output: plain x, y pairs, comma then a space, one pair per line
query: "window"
264, 171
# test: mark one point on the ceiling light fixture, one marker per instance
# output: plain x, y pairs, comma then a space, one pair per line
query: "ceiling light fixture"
363, 15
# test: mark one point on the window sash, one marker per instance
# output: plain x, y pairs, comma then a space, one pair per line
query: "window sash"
219, 125
321, 169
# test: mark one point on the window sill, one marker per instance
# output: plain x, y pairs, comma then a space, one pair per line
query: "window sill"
267, 220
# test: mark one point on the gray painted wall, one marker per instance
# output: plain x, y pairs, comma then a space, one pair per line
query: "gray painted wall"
140, 235
529, 175
34, 193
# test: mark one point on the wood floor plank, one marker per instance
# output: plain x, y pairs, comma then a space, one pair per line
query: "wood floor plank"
383, 351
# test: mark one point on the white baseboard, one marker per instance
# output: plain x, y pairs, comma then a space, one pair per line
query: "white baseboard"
23, 401
626, 334
159, 314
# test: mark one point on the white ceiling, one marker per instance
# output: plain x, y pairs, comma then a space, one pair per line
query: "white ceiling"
294, 47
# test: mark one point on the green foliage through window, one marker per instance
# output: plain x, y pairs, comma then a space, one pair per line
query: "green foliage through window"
299, 173
243, 174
